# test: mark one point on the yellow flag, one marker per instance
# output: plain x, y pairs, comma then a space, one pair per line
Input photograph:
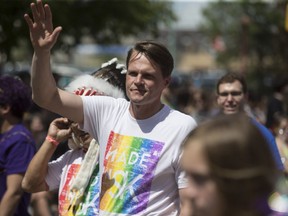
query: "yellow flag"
286, 18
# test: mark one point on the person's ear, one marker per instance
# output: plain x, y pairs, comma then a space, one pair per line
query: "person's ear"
245, 97
217, 98
167, 81
4, 109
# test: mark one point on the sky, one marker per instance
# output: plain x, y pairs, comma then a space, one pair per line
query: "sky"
188, 13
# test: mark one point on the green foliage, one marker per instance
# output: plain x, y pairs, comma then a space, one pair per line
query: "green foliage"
250, 29
12, 24
106, 21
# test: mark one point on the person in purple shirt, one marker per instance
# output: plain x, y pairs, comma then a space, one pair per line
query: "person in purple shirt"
17, 145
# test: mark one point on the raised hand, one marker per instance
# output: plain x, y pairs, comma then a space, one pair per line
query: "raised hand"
60, 129
42, 34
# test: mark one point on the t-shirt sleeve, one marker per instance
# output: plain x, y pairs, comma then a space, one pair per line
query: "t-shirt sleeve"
181, 177
92, 107
55, 168
180, 174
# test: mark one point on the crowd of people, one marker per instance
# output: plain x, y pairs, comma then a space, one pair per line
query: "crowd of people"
232, 95
127, 140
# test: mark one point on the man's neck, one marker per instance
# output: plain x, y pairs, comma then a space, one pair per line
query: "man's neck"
141, 112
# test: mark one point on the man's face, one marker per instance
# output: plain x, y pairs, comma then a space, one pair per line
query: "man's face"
231, 98
144, 82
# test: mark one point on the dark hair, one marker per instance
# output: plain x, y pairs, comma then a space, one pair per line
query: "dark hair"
15, 93
230, 78
280, 84
239, 159
278, 117
157, 54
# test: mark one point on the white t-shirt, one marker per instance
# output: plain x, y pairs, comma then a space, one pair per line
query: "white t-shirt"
60, 174
139, 159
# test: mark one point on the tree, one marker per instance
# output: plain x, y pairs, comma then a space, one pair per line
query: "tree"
106, 21
253, 33
11, 26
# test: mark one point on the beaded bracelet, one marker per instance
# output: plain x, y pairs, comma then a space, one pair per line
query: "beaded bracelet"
52, 140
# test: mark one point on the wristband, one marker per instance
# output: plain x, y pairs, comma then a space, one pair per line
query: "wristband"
52, 140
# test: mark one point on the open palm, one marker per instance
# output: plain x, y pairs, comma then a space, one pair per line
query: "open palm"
42, 35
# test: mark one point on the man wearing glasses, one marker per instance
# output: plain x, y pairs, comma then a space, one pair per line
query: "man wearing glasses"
231, 98
231, 93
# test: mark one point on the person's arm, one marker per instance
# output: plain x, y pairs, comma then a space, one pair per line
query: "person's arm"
12, 195
44, 88
34, 179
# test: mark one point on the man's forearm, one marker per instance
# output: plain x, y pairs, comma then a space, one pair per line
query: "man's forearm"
42, 81
9, 204
12, 195
34, 179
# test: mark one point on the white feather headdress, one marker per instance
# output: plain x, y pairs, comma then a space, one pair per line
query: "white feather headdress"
102, 86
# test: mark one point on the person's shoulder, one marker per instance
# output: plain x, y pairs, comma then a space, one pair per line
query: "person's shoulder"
183, 118
262, 127
121, 100
121, 103
19, 131
258, 124
104, 100
177, 112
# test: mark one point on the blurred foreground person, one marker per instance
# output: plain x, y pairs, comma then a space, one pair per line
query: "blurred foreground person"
17, 145
227, 175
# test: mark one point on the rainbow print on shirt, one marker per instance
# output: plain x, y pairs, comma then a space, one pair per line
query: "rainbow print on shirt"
129, 167
90, 201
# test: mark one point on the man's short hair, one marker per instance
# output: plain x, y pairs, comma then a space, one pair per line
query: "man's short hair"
157, 54
230, 78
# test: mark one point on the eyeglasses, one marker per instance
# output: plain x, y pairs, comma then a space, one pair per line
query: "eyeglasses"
232, 93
